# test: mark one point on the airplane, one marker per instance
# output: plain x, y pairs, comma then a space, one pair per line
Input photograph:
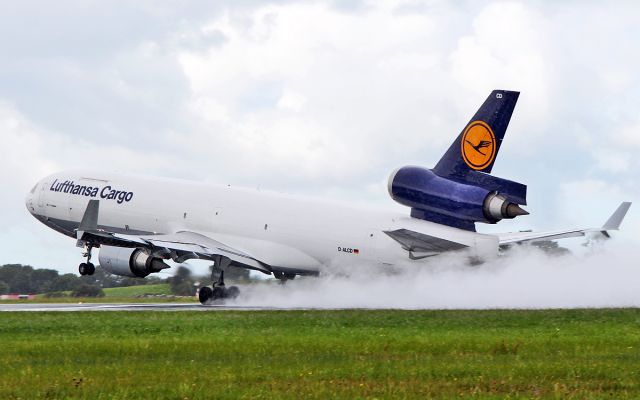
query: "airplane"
138, 223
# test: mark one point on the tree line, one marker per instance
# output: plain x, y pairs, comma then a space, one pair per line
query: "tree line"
25, 279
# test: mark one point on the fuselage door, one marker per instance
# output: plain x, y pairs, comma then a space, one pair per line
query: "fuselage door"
372, 244
41, 194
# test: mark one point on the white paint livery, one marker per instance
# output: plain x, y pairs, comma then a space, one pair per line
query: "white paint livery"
138, 222
279, 231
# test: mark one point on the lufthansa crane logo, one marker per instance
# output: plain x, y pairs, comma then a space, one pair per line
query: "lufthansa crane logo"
478, 145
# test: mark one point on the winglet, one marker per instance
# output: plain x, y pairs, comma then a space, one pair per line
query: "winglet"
614, 221
90, 218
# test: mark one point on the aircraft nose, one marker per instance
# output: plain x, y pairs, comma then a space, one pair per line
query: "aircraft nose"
29, 199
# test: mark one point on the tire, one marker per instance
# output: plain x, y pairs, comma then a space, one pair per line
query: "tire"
219, 292
205, 294
91, 269
233, 292
83, 269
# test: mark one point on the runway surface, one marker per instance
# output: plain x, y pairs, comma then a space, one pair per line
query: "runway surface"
9, 307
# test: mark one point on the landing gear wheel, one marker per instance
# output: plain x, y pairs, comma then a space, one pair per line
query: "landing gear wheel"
219, 292
233, 292
205, 294
87, 268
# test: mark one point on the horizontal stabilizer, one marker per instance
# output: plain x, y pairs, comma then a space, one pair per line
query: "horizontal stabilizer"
613, 223
420, 245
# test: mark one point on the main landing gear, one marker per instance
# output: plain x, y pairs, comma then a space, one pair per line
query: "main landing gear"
87, 268
218, 290
283, 277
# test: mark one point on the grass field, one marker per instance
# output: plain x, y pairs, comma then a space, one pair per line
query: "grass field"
126, 294
131, 291
581, 354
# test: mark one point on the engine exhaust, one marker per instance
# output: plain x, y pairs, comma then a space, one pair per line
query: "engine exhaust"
496, 207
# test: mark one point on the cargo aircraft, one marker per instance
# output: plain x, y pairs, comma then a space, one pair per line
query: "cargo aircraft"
138, 223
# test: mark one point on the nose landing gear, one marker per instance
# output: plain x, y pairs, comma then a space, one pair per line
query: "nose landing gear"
87, 268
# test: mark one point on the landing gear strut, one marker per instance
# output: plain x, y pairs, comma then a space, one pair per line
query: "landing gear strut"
218, 290
283, 276
87, 268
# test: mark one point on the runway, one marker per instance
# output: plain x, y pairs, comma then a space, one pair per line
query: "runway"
73, 307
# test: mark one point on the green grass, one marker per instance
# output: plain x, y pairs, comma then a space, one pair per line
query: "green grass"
563, 354
116, 295
132, 291
110, 299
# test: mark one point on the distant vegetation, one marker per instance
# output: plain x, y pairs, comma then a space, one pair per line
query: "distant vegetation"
24, 279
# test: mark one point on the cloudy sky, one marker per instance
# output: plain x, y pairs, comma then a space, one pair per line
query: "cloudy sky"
319, 98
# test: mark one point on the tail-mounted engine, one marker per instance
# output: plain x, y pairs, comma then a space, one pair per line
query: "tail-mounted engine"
449, 202
126, 261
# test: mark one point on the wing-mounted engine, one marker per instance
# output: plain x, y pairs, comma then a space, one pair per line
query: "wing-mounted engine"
446, 201
125, 261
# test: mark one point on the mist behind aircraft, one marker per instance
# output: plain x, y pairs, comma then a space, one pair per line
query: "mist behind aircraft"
525, 278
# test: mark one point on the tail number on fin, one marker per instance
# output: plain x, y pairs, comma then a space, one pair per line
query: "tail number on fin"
478, 145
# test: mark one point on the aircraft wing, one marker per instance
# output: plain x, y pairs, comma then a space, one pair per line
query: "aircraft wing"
179, 246
613, 223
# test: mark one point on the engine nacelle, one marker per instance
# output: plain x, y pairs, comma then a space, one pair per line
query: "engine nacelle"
126, 261
442, 200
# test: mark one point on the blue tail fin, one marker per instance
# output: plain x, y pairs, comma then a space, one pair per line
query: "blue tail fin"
477, 146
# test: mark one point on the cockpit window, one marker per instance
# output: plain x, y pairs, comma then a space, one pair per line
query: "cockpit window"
34, 189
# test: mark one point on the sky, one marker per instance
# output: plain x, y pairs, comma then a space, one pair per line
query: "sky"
317, 98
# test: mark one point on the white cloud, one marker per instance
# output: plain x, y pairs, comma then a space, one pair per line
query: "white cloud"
590, 202
25, 157
615, 162
330, 68
314, 98
508, 50
628, 135
291, 101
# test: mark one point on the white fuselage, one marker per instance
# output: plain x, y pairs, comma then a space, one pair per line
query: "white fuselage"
281, 230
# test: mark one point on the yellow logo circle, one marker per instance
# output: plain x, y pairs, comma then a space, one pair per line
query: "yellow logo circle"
478, 145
